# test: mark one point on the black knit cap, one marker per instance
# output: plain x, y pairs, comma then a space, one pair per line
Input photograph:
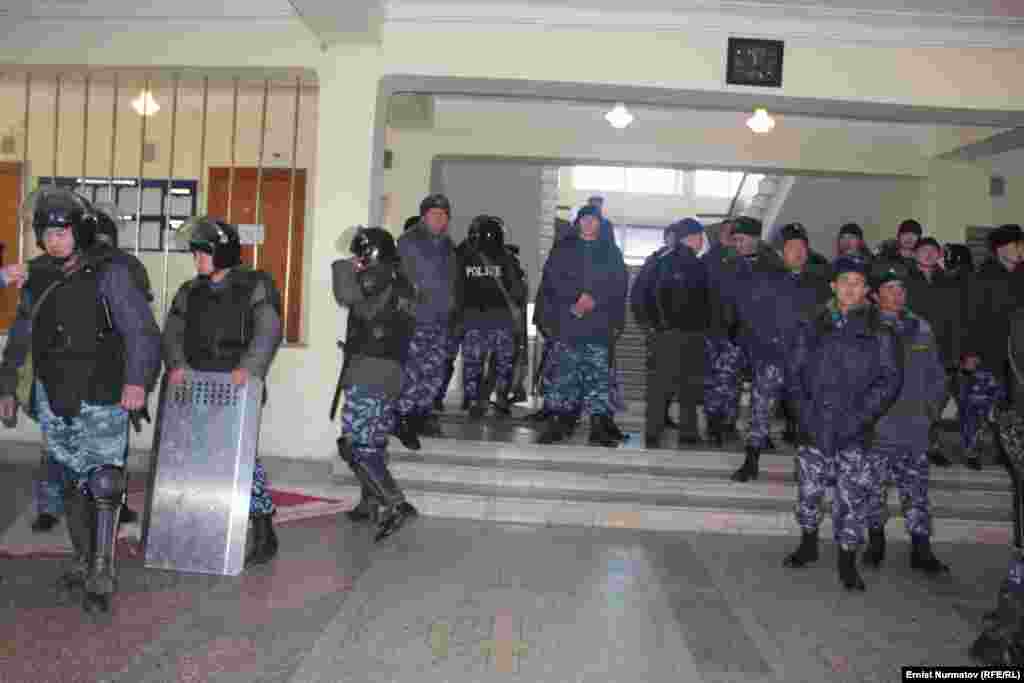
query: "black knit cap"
1003, 235
928, 242
745, 225
793, 231
910, 225
888, 271
851, 229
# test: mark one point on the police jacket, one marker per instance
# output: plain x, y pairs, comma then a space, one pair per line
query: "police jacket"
221, 326
843, 373
923, 392
940, 301
576, 266
993, 294
88, 328
490, 286
671, 292
758, 296
379, 328
429, 263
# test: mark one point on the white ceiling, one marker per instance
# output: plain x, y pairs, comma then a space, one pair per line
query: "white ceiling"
952, 8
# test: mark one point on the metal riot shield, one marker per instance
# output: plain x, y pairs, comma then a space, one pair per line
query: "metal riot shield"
199, 514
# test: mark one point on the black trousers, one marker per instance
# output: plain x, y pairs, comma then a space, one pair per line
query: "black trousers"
675, 367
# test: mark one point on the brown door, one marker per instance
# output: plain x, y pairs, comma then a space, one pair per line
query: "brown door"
10, 198
273, 255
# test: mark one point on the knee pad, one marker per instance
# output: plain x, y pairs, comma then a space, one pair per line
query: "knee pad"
107, 483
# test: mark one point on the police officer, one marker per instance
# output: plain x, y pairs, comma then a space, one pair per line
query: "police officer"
671, 299
50, 484
227, 319
428, 258
901, 438
844, 373
758, 289
804, 291
722, 355
492, 298
381, 302
95, 351
581, 310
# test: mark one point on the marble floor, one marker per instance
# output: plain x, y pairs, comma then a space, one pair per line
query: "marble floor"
465, 601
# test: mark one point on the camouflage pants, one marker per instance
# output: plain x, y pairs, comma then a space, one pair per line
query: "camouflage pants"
854, 481
722, 382
260, 502
581, 380
766, 389
366, 421
452, 353
97, 437
423, 371
978, 395
49, 491
909, 469
475, 345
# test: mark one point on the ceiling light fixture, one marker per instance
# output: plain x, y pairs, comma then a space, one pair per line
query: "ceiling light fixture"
619, 116
144, 104
761, 122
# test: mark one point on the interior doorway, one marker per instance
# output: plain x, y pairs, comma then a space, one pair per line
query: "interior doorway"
282, 248
10, 205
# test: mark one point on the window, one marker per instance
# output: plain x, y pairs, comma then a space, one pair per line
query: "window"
641, 241
653, 180
600, 178
718, 184
621, 179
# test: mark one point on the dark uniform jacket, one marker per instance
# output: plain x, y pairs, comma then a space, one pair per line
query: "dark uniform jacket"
993, 294
217, 327
844, 373
940, 301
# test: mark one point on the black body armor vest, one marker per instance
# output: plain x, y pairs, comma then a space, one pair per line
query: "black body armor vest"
218, 323
77, 353
388, 333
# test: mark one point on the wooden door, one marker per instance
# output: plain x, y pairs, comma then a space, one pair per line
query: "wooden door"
10, 200
273, 255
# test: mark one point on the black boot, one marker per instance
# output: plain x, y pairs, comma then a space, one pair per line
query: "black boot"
1001, 642
715, 437
602, 432
749, 469
806, 553
848, 574
769, 445
128, 516
938, 458
264, 540
789, 433
438, 405
973, 462
539, 416
44, 522
367, 508
614, 431
922, 557
80, 516
875, 552
652, 441
107, 486
405, 431
555, 430
478, 409
430, 425
394, 519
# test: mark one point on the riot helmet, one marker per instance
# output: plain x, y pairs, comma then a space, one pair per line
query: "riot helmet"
959, 258
487, 234
374, 245
108, 224
210, 236
57, 207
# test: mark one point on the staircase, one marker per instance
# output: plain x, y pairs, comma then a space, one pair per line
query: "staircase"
493, 471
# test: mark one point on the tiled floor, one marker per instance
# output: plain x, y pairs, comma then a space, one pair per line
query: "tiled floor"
474, 601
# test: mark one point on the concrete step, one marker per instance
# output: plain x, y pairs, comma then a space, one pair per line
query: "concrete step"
514, 480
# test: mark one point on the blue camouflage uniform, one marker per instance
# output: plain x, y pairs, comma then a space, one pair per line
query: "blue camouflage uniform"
97, 436
900, 447
429, 262
844, 373
723, 356
580, 350
760, 294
